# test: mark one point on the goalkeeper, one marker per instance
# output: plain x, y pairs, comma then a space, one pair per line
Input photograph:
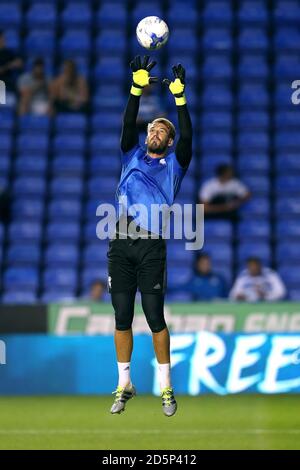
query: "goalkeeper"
149, 176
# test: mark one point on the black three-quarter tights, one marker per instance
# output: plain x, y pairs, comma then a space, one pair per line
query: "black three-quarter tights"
153, 306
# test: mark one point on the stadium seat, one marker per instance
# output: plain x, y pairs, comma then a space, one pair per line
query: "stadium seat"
183, 40
110, 69
28, 208
250, 162
31, 142
259, 249
288, 231
63, 209
31, 165
75, 43
32, 122
111, 42
18, 278
112, 17
255, 207
287, 12
60, 278
58, 295
253, 39
109, 120
253, 95
217, 67
217, 141
217, 39
95, 253
254, 229
253, 119
287, 119
40, 42
29, 186
216, 119
89, 275
253, 67
144, 9
41, 14
288, 162
287, 38
288, 251
10, 15
68, 165
218, 11
68, 122
69, 143
63, 231
258, 185
287, 207
287, 185
253, 12
19, 297
218, 229
23, 254
254, 140
100, 164
61, 255
25, 231
180, 14
76, 14
219, 251
216, 96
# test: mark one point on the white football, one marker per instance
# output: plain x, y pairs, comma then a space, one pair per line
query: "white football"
152, 32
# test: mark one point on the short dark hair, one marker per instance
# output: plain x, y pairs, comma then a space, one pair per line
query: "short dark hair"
253, 259
202, 255
96, 282
223, 168
37, 62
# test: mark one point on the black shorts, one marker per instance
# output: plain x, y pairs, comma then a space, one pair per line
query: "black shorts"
139, 263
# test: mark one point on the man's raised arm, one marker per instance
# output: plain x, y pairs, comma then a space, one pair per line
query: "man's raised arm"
183, 149
140, 79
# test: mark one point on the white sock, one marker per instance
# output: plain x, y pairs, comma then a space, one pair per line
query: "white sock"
124, 374
164, 375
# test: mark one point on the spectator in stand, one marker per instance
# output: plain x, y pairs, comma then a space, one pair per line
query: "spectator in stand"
150, 108
33, 88
206, 284
10, 65
97, 291
257, 284
224, 194
69, 91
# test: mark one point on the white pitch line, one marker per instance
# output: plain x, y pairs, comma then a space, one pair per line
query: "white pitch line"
148, 431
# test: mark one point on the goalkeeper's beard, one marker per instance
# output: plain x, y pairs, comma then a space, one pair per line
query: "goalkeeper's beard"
159, 148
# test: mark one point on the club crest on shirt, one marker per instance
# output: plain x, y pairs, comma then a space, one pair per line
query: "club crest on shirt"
162, 161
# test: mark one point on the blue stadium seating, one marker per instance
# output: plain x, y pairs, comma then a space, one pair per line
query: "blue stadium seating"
61, 254
64, 209
61, 168
253, 12
218, 11
253, 39
60, 278
63, 231
41, 14
76, 14
31, 165
112, 17
217, 38
28, 208
40, 42
19, 297
287, 12
19, 277
23, 254
75, 43
10, 15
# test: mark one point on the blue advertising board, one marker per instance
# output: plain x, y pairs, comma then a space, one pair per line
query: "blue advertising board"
201, 363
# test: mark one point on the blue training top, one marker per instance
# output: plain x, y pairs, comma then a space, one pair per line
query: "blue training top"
146, 180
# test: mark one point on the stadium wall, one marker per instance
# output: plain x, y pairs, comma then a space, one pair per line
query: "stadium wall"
204, 362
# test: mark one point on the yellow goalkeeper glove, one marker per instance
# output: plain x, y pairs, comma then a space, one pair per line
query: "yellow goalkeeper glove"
140, 74
177, 86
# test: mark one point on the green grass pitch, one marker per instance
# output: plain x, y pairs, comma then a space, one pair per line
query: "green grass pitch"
204, 422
